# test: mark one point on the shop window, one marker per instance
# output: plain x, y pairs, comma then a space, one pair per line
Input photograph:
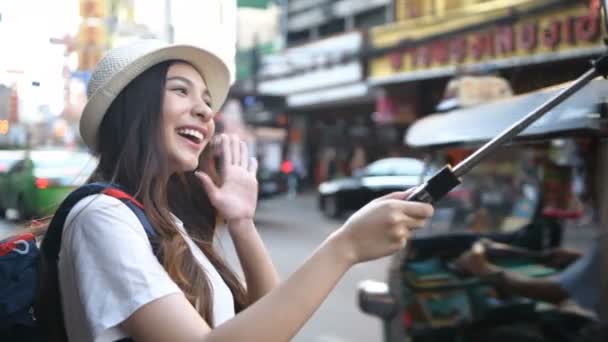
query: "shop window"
371, 18
332, 27
299, 37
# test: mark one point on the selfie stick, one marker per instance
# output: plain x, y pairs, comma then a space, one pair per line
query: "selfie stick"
448, 178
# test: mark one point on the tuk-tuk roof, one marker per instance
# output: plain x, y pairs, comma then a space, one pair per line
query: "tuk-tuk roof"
579, 114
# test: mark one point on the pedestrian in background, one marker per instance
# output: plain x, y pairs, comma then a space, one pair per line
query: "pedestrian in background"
358, 162
150, 119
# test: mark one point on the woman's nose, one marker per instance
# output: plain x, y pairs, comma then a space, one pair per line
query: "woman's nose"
202, 111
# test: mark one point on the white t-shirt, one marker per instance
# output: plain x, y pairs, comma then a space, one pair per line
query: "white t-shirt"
107, 270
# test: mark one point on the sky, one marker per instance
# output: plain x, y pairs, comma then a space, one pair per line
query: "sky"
25, 33
25, 30
27, 25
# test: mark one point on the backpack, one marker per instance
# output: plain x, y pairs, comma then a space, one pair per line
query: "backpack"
20, 257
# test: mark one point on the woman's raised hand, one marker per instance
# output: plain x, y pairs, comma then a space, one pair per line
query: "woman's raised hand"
382, 227
236, 196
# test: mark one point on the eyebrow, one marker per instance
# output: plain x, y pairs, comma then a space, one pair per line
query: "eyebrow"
190, 83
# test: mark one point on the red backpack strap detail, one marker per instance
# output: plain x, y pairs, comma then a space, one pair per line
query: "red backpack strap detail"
9, 245
119, 194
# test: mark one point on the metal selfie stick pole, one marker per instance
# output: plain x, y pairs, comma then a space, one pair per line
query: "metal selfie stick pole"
448, 178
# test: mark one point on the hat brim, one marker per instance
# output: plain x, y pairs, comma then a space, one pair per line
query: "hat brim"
213, 70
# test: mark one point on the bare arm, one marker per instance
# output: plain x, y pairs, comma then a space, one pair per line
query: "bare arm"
279, 315
379, 229
260, 274
545, 289
275, 317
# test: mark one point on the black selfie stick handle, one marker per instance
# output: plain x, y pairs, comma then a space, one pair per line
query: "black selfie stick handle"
436, 187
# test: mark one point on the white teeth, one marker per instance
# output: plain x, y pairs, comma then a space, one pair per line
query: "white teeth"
191, 132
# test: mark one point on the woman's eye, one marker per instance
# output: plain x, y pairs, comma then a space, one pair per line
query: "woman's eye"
182, 91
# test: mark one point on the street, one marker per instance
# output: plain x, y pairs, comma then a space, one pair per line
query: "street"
292, 229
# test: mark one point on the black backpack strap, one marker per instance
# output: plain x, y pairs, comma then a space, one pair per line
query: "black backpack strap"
137, 209
48, 303
51, 243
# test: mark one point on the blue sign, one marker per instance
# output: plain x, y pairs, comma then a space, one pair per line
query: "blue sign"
84, 76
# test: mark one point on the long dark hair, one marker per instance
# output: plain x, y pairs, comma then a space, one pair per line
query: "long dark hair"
131, 153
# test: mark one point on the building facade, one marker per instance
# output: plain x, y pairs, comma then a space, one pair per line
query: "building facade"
310, 20
531, 44
322, 76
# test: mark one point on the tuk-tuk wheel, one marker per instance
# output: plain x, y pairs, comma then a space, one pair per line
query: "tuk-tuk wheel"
331, 207
394, 329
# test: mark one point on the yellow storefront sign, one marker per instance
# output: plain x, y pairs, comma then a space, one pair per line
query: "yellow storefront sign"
92, 34
93, 9
564, 33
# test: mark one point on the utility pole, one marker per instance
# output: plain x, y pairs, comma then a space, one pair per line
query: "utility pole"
168, 22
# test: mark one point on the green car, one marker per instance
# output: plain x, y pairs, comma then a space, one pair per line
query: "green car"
33, 183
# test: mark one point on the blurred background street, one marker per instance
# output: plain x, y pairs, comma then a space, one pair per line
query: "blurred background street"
341, 101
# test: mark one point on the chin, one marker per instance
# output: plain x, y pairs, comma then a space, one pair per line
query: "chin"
188, 166
184, 164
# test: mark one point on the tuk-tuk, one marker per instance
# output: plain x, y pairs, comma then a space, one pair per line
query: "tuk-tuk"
523, 195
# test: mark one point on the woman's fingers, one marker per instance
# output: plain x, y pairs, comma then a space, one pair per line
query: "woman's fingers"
400, 233
399, 195
417, 210
404, 217
414, 223
235, 152
235, 147
400, 218
226, 150
244, 162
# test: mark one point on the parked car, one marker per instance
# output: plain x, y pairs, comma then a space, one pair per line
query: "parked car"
377, 179
8, 158
35, 182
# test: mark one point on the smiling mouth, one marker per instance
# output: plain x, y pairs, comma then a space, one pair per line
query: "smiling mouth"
193, 136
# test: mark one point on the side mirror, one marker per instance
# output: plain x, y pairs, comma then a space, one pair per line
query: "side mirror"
375, 299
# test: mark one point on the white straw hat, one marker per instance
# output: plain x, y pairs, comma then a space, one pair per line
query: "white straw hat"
122, 64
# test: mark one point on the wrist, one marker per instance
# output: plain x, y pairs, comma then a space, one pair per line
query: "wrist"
240, 224
495, 276
341, 250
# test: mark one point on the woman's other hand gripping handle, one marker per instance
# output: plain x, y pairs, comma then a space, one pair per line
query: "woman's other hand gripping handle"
383, 226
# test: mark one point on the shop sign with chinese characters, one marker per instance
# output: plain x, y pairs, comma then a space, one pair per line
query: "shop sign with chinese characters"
92, 35
550, 36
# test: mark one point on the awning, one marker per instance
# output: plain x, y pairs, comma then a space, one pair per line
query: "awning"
253, 3
580, 114
352, 93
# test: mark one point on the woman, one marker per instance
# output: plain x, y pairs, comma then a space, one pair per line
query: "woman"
149, 118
